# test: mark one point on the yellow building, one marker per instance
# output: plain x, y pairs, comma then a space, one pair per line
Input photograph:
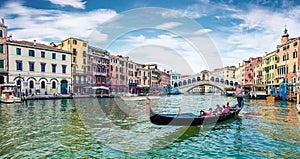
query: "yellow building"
79, 50
269, 66
269, 72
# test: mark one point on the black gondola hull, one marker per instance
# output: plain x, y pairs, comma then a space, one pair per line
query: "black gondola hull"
190, 119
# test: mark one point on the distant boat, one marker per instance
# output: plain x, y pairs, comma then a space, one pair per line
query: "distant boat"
174, 91
8, 96
188, 119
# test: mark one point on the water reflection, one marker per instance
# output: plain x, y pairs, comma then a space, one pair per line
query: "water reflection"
111, 128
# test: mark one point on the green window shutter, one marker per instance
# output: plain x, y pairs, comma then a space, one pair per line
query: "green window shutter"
1, 48
1, 63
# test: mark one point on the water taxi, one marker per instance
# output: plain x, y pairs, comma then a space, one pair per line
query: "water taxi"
8, 96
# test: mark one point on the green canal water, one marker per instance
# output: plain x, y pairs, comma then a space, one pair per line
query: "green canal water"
113, 128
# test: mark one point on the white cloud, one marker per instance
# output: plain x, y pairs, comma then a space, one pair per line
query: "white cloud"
73, 3
258, 32
202, 31
42, 24
97, 36
168, 25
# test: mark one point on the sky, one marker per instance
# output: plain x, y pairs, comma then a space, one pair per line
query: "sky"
186, 36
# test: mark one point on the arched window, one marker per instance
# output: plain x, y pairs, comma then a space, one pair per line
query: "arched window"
31, 84
53, 85
43, 85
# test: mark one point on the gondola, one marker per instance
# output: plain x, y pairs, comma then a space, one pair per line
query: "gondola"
188, 119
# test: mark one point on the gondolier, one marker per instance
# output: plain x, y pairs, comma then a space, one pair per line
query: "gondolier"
239, 95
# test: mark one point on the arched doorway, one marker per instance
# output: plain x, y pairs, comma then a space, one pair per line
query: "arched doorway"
64, 87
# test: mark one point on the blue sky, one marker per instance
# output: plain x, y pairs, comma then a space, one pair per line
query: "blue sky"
238, 29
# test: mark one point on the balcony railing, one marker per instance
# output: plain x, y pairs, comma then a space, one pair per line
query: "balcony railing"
280, 76
99, 73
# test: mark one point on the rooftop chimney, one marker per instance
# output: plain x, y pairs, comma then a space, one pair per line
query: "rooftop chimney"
34, 42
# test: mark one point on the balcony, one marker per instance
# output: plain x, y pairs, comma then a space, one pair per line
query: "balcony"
99, 74
280, 76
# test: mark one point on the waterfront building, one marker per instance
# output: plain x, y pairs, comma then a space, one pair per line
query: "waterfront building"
155, 78
258, 72
165, 78
269, 66
227, 72
119, 73
79, 50
240, 74
3, 53
173, 77
249, 69
145, 75
98, 68
133, 76
39, 68
287, 60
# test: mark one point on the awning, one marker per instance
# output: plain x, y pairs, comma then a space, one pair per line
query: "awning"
146, 87
101, 87
8, 85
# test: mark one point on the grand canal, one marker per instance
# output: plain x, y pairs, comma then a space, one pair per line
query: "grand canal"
113, 128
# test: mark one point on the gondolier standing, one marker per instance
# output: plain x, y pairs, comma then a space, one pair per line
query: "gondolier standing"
239, 94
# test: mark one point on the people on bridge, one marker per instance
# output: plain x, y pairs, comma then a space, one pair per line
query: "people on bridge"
239, 94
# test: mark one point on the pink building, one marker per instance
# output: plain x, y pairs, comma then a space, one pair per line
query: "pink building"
118, 65
99, 68
249, 69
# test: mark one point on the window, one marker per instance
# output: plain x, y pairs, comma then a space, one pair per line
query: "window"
74, 69
31, 53
295, 54
18, 51
53, 55
1, 34
79, 79
19, 65
31, 66
43, 67
84, 53
42, 54
84, 44
75, 42
1, 63
1, 48
63, 68
74, 59
84, 61
53, 85
74, 79
31, 85
74, 51
63, 57
53, 68
43, 85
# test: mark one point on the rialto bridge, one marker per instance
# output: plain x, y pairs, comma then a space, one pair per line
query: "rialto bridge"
205, 78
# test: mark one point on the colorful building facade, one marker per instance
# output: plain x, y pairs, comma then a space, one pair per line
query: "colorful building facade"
79, 64
98, 68
39, 68
3, 53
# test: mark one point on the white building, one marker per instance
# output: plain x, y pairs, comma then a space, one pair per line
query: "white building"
39, 68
